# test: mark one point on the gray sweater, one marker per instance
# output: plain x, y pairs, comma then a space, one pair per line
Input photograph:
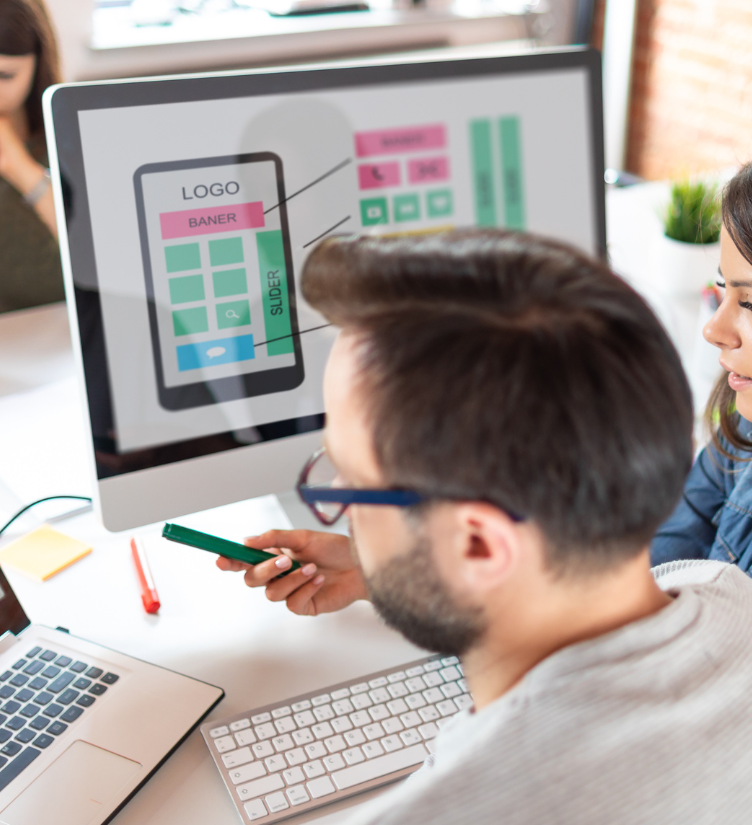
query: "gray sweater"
649, 724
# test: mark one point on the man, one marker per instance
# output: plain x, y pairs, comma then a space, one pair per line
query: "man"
529, 408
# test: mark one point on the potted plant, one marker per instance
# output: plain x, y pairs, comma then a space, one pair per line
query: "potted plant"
688, 253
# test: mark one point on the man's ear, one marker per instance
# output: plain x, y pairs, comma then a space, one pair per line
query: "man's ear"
484, 545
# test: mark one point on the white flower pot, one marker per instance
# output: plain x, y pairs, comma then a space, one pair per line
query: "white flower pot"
684, 268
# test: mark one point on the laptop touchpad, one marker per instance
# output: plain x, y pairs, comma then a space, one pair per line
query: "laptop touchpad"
73, 790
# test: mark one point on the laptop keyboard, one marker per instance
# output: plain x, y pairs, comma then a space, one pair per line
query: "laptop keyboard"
297, 755
41, 695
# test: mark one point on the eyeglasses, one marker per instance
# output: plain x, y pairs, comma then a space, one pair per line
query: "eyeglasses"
316, 488
328, 503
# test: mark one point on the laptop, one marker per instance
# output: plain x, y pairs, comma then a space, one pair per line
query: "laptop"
82, 727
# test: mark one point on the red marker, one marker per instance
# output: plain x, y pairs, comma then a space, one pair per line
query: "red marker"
149, 595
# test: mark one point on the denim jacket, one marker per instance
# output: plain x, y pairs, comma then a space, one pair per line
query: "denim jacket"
713, 520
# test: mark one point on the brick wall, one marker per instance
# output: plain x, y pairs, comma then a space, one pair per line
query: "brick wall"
691, 106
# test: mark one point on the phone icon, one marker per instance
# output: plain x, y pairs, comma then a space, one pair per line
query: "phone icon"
219, 278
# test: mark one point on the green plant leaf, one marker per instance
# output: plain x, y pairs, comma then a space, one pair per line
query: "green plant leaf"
693, 214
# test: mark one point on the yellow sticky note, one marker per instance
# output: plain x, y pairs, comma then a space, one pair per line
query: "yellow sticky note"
42, 553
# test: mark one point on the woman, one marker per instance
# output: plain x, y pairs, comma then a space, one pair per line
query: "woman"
714, 517
29, 259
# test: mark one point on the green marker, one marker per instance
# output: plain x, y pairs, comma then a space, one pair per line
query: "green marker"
222, 547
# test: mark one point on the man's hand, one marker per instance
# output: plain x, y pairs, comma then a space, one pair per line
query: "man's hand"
329, 579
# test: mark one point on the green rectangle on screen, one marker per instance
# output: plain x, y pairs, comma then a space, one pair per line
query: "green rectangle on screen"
511, 171
183, 256
229, 282
273, 274
187, 321
226, 251
483, 176
188, 288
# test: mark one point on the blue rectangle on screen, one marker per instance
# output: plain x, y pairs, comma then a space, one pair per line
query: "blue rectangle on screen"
212, 353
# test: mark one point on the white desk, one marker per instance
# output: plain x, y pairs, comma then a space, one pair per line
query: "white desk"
210, 626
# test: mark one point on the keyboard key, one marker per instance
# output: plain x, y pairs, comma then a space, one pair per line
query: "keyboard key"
374, 731
434, 665
224, 744
72, 714
323, 699
410, 737
53, 709
276, 802
265, 731
33, 667
354, 737
341, 724
234, 759
334, 762
33, 652
6, 691
43, 741
360, 718
82, 684
323, 713
25, 736
50, 672
19, 680
361, 687
40, 723
381, 766
464, 701
342, 706
295, 757
222, 730
245, 737
315, 768
415, 671
85, 701
97, 689
10, 748
5, 735
416, 684
433, 679
391, 743
378, 712
24, 695
304, 719
342, 693
278, 713
6, 675
262, 749
353, 756
392, 725
48, 655
315, 750
94, 672
428, 731
56, 728
379, 695
43, 698
372, 750
110, 678
335, 744
11, 707
67, 696
283, 743
22, 761
446, 708
449, 674
302, 737
19, 664
411, 719
450, 690
30, 711
362, 701
432, 695
275, 763
297, 795
398, 689
78, 667
260, 787
300, 706
285, 725
247, 772
63, 661
396, 677
397, 707
322, 731
63, 681
261, 718
293, 776
380, 681
241, 724
38, 683
255, 809
451, 660
320, 787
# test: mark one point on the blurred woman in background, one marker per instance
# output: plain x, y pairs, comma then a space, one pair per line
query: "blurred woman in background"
30, 271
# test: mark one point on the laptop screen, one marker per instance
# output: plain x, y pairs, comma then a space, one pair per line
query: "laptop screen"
12, 615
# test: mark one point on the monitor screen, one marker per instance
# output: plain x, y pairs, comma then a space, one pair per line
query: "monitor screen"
192, 203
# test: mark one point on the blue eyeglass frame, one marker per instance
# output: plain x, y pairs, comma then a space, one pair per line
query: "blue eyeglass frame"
351, 495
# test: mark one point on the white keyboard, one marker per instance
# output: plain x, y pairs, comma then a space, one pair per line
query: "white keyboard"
283, 759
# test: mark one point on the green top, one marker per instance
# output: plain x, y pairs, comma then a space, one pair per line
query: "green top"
30, 272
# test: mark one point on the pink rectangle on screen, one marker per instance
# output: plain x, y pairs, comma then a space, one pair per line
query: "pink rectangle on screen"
428, 170
211, 220
378, 175
399, 141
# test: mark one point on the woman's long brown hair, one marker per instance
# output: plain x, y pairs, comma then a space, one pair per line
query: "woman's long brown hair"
720, 414
25, 28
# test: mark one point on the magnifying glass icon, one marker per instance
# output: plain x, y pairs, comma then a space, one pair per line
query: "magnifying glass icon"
232, 314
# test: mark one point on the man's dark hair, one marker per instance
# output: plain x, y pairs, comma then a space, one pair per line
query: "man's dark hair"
515, 370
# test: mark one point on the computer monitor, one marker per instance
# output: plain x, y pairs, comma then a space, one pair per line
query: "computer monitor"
187, 206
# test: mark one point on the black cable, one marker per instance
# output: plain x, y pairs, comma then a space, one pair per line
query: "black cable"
34, 504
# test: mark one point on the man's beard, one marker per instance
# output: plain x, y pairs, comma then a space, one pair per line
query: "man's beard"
409, 595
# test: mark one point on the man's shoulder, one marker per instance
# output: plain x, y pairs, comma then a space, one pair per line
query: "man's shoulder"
675, 575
